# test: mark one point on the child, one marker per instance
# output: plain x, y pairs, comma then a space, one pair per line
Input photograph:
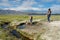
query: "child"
31, 19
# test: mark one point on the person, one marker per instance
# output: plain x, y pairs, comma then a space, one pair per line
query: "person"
31, 19
49, 14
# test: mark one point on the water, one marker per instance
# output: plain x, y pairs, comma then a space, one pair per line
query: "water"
4, 25
18, 35
21, 26
15, 33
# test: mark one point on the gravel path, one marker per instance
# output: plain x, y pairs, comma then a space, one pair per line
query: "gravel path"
53, 32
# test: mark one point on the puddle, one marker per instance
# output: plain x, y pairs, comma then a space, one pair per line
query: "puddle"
15, 33
22, 26
5, 24
18, 35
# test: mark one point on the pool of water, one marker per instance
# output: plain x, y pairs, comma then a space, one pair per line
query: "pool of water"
18, 35
21, 26
4, 25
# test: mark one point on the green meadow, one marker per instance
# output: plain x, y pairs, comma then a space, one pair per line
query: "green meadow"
26, 17
10, 18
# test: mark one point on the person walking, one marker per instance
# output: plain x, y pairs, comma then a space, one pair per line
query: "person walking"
49, 15
31, 19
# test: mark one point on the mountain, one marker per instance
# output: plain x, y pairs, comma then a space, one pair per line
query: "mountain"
18, 12
9, 12
29, 12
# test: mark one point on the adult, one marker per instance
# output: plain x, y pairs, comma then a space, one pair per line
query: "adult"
49, 15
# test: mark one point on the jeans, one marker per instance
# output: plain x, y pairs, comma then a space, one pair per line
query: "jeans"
31, 20
48, 17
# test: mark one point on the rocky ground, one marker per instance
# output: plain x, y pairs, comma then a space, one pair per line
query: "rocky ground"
50, 31
41, 30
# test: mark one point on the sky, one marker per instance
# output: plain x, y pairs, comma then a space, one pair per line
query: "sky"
37, 5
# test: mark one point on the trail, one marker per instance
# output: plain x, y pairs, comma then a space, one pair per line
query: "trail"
53, 32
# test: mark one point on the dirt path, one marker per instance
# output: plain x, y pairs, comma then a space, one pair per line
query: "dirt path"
53, 32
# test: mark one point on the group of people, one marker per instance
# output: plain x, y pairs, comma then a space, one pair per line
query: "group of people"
48, 16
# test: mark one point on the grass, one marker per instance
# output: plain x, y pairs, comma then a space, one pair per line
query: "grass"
55, 17
26, 17
12, 17
9, 18
4, 35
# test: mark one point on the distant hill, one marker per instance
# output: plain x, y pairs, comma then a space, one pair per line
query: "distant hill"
19, 12
10, 12
28, 12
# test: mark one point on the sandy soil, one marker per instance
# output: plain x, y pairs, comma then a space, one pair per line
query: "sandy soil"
53, 32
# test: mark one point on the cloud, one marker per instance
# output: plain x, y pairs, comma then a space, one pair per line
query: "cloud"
31, 8
5, 3
15, 0
27, 4
47, 0
8, 3
40, 5
55, 8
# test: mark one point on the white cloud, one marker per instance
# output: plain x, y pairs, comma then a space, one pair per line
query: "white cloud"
27, 8
55, 8
26, 5
5, 3
41, 5
47, 0
4, 0
16, 0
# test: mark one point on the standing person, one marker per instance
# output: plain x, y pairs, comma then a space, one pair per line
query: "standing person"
49, 14
31, 19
